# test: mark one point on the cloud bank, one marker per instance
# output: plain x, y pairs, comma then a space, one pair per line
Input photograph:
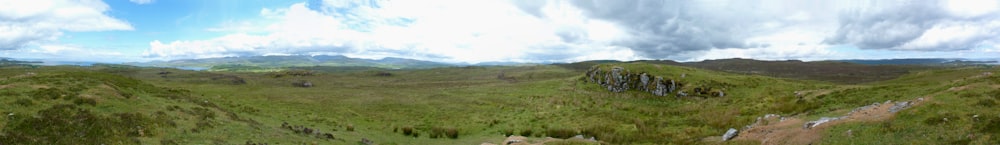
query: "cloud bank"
553, 31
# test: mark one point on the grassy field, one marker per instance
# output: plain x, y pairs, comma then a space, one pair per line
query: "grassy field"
467, 105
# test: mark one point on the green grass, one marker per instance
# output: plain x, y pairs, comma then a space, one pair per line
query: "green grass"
467, 105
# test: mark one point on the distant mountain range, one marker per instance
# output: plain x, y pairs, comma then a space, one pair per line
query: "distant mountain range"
255, 63
269, 62
919, 61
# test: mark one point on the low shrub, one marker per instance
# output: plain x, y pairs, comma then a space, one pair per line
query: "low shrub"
451, 133
525, 132
408, 131
440, 132
560, 133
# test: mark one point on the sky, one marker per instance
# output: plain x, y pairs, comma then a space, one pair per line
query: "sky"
472, 31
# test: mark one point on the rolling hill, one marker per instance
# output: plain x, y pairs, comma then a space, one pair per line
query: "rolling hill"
257, 63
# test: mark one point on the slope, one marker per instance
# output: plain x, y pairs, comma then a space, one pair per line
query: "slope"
71, 105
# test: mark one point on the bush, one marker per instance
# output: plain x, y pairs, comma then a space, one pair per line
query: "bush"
437, 132
350, 127
452, 133
408, 131
526, 132
560, 133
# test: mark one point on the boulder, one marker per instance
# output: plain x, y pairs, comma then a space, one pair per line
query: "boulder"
644, 82
730, 134
660, 89
812, 124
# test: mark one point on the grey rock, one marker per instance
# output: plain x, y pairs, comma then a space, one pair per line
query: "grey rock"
899, 106
812, 124
660, 89
673, 86
619, 79
873, 105
730, 134
644, 82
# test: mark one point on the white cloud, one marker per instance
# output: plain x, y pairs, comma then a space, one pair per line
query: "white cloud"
971, 8
142, 2
477, 31
452, 31
24, 23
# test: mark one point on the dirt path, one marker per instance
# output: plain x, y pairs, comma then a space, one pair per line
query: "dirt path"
791, 130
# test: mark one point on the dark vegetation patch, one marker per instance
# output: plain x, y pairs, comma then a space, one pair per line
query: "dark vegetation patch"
308, 131
838, 72
291, 73
442, 132
383, 74
68, 124
230, 79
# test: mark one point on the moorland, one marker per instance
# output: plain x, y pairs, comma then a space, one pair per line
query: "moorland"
592, 102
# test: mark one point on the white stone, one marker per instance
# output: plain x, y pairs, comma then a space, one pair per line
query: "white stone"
730, 134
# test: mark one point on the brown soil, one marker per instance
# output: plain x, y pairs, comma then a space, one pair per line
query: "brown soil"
520, 140
791, 130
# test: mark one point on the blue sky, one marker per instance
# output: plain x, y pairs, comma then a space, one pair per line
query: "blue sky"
517, 30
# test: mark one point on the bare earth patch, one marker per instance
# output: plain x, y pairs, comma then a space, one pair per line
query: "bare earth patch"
520, 140
777, 130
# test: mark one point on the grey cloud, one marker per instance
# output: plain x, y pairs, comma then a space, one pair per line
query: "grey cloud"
550, 52
886, 27
572, 35
667, 29
894, 24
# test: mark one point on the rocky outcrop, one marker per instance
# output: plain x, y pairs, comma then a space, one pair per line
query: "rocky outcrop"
618, 79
